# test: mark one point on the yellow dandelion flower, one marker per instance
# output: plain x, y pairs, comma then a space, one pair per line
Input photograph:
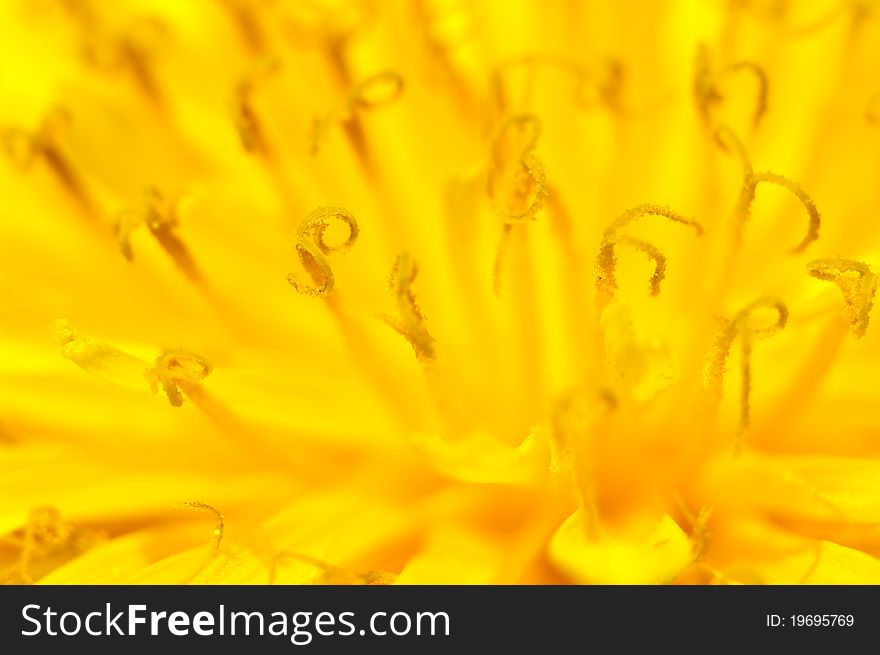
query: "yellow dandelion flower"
439, 292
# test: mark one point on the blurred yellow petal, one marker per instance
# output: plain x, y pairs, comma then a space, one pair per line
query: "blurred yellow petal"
652, 558
118, 560
823, 563
481, 459
453, 557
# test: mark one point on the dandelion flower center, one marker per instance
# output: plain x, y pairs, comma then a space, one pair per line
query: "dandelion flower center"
442, 292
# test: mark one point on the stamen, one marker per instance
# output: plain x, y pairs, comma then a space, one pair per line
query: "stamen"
133, 51
760, 76
312, 248
608, 86
178, 373
217, 533
517, 182
497, 77
247, 21
648, 209
727, 139
707, 81
500, 252
705, 91
741, 327
45, 531
247, 120
161, 217
857, 283
801, 195
252, 130
374, 92
749, 186
606, 283
607, 255
411, 324
449, 30
24, 148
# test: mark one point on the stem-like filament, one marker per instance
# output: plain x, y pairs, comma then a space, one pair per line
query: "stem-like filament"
606, 262
857, 284
411, 322
741, 327
727, 139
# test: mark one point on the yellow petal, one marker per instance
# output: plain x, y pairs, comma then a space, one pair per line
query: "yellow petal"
654, 558
480, 458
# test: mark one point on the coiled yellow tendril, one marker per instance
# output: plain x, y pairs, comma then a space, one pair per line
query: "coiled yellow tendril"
411, 324
727, 139
177, 372
707, 84
741, 327
24, 148
217, 533
374, 92
517, 182
857, 284
312, 249
606, 282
